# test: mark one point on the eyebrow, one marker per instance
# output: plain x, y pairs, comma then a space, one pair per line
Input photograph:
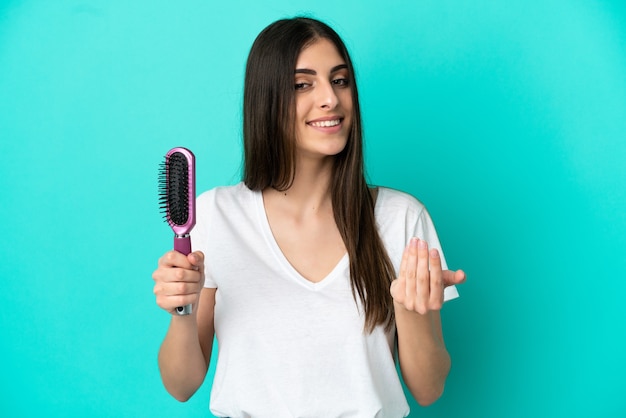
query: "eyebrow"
313, 72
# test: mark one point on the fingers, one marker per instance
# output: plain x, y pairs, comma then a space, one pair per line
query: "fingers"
423, 289
412, 288
197, 260
178, 279
420, 284
459, 277
398, 286
435, 300
451, 278
176, 259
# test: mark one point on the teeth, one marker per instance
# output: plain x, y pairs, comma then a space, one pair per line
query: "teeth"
326, 123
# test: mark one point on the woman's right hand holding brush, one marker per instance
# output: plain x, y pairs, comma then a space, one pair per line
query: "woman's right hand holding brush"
178, 280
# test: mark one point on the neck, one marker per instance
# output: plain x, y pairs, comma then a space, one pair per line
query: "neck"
310, 191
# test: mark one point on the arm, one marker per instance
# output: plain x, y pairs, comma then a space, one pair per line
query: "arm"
424, 360
186, 350
418, 297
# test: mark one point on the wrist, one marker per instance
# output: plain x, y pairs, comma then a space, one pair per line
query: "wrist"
400, 309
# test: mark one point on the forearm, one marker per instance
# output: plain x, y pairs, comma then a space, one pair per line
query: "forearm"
424, 360
181, 361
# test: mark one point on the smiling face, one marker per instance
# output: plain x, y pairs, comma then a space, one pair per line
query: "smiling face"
323, 100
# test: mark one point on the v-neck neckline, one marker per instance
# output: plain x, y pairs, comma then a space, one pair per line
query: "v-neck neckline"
284, 261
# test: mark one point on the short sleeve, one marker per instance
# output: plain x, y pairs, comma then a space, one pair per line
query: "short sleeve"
200, 235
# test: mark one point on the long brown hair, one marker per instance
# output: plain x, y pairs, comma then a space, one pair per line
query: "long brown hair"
269, 155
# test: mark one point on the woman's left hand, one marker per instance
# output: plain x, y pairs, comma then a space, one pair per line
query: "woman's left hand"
419, 287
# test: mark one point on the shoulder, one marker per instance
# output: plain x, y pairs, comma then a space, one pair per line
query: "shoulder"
392, 201
225, 195
401, 213
226, 206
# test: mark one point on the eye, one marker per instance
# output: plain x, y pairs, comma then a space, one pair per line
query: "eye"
301, 85
341, 82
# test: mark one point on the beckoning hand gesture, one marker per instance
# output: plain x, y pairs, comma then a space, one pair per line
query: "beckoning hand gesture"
419, 287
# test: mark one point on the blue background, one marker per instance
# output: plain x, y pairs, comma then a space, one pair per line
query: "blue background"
506, 118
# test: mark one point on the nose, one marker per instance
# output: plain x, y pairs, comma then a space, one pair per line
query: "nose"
327, 98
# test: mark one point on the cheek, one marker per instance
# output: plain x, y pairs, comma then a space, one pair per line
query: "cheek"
302, 108
346, 100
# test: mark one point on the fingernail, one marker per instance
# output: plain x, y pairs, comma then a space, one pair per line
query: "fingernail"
413, 242
421, 244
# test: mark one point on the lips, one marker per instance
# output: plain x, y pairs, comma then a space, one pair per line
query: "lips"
326, 122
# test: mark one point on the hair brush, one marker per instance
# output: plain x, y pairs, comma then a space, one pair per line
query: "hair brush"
177, 191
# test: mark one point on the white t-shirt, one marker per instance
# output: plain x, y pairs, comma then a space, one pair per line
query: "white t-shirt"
289, 347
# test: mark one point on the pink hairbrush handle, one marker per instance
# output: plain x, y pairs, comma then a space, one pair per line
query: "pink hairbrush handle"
182, 244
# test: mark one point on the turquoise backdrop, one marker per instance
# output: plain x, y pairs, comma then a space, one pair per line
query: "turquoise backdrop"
506, 118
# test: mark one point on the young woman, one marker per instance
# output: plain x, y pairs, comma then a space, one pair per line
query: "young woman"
312, 282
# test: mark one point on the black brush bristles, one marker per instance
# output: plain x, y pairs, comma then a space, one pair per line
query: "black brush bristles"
174, 189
